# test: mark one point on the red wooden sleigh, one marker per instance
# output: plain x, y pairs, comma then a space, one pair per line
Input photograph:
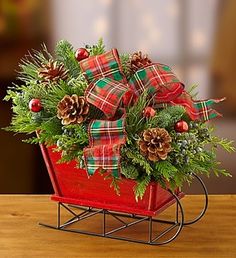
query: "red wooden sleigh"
75, 191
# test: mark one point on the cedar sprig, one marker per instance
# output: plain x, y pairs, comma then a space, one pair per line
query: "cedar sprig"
141, 185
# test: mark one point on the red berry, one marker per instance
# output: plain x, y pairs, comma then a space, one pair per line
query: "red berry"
149, 112
81, 53
35, 105
181, 126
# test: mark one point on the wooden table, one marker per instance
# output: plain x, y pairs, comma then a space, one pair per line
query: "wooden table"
21, 236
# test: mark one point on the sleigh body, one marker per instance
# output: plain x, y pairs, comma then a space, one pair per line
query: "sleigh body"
73, 186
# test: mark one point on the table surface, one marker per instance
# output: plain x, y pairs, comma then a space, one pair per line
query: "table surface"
21, 236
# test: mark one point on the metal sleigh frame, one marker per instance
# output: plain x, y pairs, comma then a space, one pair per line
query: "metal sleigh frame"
176, 225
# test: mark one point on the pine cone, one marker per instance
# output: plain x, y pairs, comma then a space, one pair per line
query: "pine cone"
53, 72
72, 109
155, 144
138, 61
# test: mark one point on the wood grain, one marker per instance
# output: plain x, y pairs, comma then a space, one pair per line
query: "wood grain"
20, 235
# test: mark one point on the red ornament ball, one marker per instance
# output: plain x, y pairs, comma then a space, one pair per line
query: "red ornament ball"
35, 105
129, 98
81, 53
149, 112
181, 126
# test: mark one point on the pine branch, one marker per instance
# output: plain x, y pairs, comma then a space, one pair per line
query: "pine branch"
135, 122
78, 85
97, 49
126, 66
56, 93
65, 53
31, 63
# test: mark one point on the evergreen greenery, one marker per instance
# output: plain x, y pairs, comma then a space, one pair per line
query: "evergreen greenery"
31, 63
141, 186
167, 117
126, 65
65, 54
97, 49
129, 170
189, 153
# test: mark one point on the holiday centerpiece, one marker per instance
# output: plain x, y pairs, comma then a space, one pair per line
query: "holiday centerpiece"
126, 119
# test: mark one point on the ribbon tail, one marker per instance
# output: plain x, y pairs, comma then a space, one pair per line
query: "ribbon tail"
105, 139
105, 157
197, 109
204, 110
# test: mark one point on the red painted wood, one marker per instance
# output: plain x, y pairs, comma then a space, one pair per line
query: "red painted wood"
50, 169
73, 186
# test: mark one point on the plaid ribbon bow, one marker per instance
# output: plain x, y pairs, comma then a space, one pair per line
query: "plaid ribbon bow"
107, 85
170, 91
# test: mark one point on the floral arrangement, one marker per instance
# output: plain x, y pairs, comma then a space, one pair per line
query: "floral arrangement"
122, 116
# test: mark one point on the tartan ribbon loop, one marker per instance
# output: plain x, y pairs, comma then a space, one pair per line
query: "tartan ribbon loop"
104, 65
106, 94
103, 132
198, 109
105, 138
107, 83
105, 157
161, 81
159, 78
